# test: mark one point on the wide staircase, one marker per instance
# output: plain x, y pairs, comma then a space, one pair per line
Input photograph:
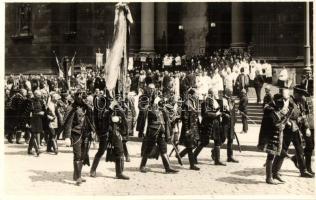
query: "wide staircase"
255, 111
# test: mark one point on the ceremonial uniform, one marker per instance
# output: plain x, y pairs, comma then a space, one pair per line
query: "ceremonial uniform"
118, 129
228, 124
306, 126
190, 129
80, 121
291, 133
210, 125
157, 134
271, 134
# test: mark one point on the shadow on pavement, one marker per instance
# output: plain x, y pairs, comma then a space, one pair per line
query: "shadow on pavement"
250, 172
234, 180
56, 177
19, 146
16, 153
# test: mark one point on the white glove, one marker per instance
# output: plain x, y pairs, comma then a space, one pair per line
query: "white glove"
218, 113
67, 142
308, 132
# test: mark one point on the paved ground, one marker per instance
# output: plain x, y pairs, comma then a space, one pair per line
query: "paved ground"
52, 175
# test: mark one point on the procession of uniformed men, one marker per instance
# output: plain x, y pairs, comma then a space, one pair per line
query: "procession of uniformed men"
83, 118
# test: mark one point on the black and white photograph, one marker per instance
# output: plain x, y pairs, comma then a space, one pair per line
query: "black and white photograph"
157, 99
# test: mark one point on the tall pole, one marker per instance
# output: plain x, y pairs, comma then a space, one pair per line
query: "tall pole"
307, 47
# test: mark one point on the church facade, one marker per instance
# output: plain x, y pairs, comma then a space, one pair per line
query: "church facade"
273, 31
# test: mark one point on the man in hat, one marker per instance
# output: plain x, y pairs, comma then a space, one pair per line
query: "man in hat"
79, 119
143, 102
307, 81
228, 123
210, 127
190, 127
291, 133
308, 134
157, 134
270, 135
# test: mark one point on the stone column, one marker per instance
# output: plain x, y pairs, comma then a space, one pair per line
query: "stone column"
147, 27
238, 28
134, 32
307, 58
162, 26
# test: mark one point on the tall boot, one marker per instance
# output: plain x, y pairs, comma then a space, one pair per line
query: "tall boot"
18, 137
77, 173
230, 154
276, 166
80, 170
213, 154
119, 169
294, 160
302, 167
166, 164
191, 160
217, 155
10, 137
49, 145
55, 146
196, 153
126, 154
183, 152
94, 166
269, 179
143, 162
308, 163
38, 140
30, 146
36, 147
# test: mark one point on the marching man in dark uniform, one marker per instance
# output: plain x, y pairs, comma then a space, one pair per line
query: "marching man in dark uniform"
80, 120
143, 102
228, 123
291, 133
190, 127
157, 133
305, 127
210, 125
271, 133
117, 130
102, 123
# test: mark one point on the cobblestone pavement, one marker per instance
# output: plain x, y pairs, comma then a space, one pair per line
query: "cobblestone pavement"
52, 175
